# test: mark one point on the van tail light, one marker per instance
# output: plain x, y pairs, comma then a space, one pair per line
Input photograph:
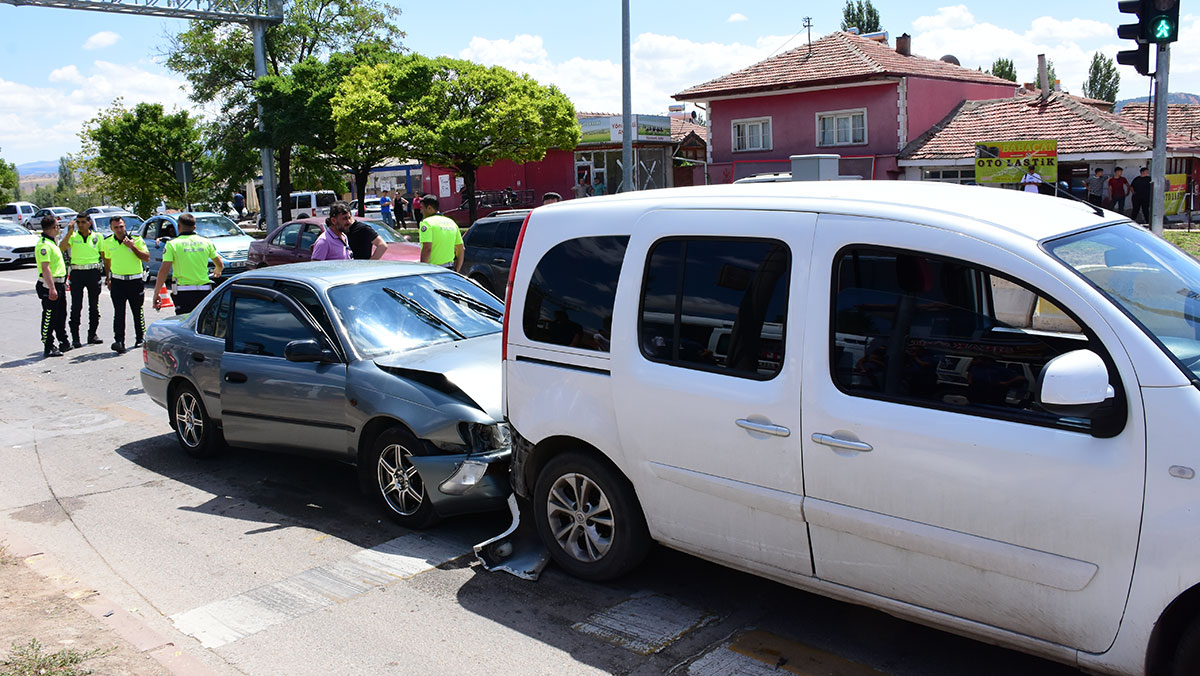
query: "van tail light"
508, 291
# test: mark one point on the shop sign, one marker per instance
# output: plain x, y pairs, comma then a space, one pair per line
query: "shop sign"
1176, 187
1007, 161
610, 129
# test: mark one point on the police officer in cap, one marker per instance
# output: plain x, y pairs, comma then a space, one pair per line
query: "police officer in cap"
86, 269
52, 289
123, 258
188, 256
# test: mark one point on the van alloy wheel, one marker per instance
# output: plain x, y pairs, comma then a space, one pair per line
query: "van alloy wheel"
580, 517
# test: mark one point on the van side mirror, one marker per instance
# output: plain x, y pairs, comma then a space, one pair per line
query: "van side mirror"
1074, 384
308, 351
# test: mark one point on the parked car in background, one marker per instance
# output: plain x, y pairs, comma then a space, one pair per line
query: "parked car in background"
292, 242
103, 209
20, 212
232, 243
16, 244
101, 220
63, 214
488, 248
391, 367
307, 204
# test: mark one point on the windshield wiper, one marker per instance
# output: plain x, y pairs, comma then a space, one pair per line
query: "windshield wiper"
478, 306
420, 311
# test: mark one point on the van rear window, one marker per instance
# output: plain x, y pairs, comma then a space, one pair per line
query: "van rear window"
571, 295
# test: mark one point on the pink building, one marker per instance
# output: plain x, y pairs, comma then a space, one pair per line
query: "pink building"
845, 94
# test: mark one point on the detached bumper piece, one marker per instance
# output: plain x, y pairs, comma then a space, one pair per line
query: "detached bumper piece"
518, 550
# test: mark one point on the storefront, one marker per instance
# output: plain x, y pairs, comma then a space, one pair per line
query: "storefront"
599, 152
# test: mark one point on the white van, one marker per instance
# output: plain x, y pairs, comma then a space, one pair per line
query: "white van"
963, 406
314, 203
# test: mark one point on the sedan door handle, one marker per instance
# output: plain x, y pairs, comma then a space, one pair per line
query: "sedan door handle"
196, 356
764, 428
844, 444
235, 377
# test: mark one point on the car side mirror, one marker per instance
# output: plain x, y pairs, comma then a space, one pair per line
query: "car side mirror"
308, 351
1074, 384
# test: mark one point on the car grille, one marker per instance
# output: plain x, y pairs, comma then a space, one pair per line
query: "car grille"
23, 249
236, 255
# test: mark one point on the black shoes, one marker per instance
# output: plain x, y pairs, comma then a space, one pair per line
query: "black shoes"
75, 344
64, 346
119, 348
138, 342
51, 351
94, 340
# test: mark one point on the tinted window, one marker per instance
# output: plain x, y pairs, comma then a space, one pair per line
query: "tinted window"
946, 334
482, 235
8, 209
264, 327
571, 294
325, 199
216, 317
307, 298
287, 236
508, 235
716, 304
309, 236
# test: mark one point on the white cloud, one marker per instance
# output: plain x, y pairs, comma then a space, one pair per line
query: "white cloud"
736, 17
101, 40
66, 74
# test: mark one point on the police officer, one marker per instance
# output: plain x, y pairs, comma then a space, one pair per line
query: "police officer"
188, 255
123, 258
52, 289
86, 270
441, 240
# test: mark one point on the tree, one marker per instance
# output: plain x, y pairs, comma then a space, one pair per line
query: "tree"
133, 154
1103, 79
1051, 76
218, 61
861, 15
456, 114
10, 181
1004, 68
66, 176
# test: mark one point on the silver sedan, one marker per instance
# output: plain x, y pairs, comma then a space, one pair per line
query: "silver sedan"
392, 367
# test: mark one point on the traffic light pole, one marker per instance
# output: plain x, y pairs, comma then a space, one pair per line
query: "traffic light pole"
1158, 165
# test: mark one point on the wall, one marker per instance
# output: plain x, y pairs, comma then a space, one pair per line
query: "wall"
554, 173
931, 100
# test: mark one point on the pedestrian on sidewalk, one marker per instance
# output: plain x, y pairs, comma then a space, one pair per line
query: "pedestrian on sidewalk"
85, 272
123, 258
188, 256
441, 240
1118, 190
416, 207
332, 244
1143, 192
239, 204
1095, 187
1031, 181
52, 289
385, 208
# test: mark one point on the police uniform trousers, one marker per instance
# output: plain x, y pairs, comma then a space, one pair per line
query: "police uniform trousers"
85, 280
131, 292
186, 301
54, 315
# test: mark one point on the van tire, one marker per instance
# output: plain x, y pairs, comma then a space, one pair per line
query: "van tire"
589, 518
1186, 661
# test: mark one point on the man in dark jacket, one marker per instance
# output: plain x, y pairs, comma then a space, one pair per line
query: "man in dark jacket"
1143, 192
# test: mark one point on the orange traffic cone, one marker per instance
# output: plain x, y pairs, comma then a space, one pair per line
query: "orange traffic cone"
164, 299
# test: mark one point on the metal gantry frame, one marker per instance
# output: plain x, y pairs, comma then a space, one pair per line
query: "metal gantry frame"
258, 14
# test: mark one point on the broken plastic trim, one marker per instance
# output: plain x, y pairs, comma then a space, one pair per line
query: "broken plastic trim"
518, 550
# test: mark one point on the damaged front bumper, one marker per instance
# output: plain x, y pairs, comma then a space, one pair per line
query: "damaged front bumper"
461, 483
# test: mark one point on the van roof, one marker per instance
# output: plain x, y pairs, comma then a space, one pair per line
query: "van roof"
1023, 214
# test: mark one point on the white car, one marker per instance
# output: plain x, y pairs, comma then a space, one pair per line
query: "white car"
16, 244
64, 215
964, 406
307, 204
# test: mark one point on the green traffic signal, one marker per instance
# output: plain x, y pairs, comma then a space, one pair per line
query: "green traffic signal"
1163, 30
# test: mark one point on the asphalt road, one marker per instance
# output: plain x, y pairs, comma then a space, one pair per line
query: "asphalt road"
254, 563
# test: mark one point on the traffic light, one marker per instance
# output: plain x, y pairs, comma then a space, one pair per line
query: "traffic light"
1139, 57
1160, 21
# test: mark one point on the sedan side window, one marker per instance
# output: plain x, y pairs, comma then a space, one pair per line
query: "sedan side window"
152, 229
216, 317
288, 235
307, 298
264, 327
309, 237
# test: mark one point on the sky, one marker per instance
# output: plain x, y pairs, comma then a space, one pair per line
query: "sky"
64, 66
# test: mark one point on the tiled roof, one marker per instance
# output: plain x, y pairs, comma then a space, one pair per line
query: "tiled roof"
835, 58
681, 127
1079, 129
1099, 104
1182, 118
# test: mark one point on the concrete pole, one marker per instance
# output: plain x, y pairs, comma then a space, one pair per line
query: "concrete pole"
1158, 165
267, 208
628, 171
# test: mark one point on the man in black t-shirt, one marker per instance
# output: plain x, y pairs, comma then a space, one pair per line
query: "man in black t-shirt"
365, 243
1143, 192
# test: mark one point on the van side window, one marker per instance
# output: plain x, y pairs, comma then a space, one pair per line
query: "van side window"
571, 294
716, 304
326, 199
943, 333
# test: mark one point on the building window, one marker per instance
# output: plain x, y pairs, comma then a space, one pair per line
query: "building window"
842, 128
963, 176
752, 134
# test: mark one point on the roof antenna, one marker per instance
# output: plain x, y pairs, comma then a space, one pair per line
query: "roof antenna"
808, 25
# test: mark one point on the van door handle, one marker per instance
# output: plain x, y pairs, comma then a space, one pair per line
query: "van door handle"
764, 428
844, 444
235, 377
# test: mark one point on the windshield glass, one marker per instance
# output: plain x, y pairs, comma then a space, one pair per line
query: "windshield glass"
101, 224
1152, 281
7, 229
216, 226
388, 234
436, 308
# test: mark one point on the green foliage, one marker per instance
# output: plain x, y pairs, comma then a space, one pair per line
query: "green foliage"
1103, 79
1051, 76
861, 15
31, 660
1004, 68
10, 181
66, 176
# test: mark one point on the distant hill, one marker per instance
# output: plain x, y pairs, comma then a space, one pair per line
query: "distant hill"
38, 168
1173, 97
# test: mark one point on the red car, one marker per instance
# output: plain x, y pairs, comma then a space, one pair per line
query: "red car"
292, 242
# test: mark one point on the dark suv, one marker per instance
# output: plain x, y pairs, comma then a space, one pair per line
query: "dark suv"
489, 248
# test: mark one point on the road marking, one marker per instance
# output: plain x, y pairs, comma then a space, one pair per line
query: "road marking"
760, 653
228, 620
644, 624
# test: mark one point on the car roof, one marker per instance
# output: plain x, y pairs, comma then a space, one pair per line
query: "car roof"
1008, 213
505, 214
326, 274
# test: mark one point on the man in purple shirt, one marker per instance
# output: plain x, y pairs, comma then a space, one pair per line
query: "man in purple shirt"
332, 244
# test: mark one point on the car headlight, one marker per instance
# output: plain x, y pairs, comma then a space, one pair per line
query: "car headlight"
485, 436
5, 249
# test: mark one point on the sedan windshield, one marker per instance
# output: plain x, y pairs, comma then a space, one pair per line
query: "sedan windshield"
385, 316
216, 226
1156, 284
103, 226
388, 234
6, 229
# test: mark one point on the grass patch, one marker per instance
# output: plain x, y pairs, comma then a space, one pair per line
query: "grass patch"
32, 660
1188, 241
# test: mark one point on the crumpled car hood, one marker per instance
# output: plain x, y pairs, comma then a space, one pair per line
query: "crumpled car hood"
466, 369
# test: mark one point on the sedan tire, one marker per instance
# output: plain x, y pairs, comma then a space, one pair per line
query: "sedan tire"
194, 430
394, 482
589, 518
